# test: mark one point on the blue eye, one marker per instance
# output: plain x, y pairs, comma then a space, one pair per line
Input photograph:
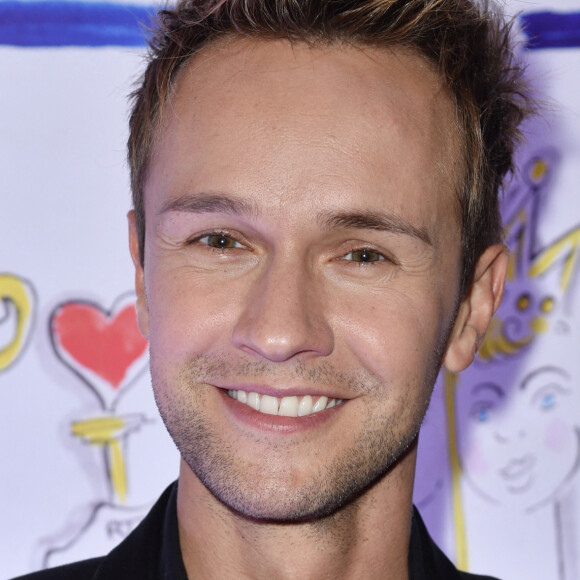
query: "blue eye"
548, 401
482, 415
481, 411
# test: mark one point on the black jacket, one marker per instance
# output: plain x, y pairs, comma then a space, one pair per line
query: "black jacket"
151, 552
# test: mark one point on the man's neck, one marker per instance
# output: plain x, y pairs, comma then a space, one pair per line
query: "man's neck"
367, 539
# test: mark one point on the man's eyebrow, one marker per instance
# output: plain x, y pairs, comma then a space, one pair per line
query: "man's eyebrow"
210, 203
373, 221
541, 371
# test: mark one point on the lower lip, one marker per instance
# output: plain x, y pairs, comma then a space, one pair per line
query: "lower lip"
513, 488
276, 423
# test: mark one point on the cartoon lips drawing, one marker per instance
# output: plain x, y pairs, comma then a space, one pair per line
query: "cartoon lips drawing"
518, 473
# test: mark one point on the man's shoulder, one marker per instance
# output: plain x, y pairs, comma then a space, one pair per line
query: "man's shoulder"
469, 576
84, 570
427, 561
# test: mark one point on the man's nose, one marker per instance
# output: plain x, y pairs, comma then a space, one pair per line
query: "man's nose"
283, 315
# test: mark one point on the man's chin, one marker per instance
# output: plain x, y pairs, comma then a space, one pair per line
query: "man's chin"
272, 498
283, 506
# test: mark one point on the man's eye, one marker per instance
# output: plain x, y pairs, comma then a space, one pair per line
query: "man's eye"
220, 241
364, 256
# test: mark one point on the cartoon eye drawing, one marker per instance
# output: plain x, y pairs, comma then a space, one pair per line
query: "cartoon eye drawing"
548, 401
481, 412
547, 397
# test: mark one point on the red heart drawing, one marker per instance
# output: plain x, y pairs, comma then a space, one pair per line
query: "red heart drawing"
99, 345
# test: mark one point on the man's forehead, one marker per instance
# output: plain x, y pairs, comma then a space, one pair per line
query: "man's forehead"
312, 113
392, 87
233, 67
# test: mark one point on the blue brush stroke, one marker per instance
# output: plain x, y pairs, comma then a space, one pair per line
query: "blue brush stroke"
76, 23
551, 29
69, 23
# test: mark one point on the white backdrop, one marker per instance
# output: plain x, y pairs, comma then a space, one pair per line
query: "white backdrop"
83, 453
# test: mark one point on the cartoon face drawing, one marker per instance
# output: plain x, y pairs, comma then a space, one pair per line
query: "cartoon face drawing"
518, 406
519, 422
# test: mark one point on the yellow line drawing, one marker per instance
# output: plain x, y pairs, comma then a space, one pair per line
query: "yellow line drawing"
108, 431
496, 341
462, 556
18, 299
517, 224
569, 244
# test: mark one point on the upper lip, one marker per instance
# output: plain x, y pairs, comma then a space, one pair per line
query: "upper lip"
273, 391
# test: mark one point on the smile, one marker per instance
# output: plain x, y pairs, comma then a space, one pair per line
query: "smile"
284, 406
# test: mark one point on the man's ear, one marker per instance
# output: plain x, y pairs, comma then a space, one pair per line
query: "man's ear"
477, 308
141, 304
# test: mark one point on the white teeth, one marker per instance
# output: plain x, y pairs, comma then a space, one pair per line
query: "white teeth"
285, 406
320, 405
269, 405
254, 401
289, 407
305, 407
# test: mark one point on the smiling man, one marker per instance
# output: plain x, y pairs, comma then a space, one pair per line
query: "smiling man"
315, 232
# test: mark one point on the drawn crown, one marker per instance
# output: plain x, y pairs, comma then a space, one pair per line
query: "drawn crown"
538, 278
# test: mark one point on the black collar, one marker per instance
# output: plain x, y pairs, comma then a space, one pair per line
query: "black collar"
152, 550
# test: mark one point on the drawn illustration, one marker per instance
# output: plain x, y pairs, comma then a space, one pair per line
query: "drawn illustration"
107, 352
432, 461
72, 23
547, 29
518, 407
432, 488
16, 317
105, 349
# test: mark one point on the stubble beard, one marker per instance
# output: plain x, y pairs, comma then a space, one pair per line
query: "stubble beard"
263, 493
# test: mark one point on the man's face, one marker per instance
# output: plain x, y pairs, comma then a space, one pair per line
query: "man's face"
301, 268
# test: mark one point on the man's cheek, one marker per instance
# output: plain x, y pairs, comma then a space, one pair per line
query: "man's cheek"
388, 330
193, 321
